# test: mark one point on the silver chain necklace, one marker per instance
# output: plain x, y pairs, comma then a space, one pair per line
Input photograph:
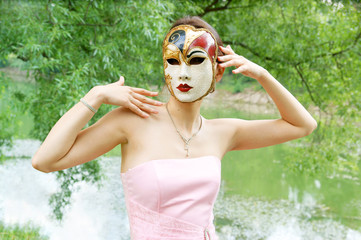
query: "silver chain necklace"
185, 140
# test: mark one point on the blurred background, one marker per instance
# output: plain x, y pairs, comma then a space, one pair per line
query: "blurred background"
53, 52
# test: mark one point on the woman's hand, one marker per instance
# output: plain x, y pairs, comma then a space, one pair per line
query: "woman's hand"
242, 64
133, 98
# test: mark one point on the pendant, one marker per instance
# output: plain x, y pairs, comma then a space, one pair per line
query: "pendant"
186, 147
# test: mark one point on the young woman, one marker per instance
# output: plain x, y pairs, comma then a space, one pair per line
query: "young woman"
171, 155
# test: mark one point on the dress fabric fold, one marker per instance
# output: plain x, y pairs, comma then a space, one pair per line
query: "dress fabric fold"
172, 198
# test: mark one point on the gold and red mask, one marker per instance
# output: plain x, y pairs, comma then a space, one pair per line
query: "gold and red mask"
189, 58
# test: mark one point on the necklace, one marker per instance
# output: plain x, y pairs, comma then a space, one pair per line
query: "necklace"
185, 140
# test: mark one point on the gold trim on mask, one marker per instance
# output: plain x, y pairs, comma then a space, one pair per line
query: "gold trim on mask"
170, 50
168, 78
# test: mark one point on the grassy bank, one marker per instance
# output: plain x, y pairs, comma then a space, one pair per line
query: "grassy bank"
20, 233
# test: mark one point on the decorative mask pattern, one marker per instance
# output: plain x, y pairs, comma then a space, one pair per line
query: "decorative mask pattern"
189, 58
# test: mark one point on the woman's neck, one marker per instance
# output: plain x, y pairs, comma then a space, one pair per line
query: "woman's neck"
186, 116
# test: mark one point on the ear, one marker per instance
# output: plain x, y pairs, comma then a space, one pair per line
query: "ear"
219, 73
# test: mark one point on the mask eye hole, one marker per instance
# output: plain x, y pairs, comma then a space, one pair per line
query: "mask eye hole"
173, 61
196, 60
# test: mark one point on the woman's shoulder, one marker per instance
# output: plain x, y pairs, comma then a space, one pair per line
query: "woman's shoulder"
225, 125
126, 117
122, 112
223, 121
123, 115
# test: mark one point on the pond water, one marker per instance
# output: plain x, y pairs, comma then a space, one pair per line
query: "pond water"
258, 200
265, 201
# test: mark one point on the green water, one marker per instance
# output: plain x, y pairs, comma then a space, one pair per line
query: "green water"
259, 173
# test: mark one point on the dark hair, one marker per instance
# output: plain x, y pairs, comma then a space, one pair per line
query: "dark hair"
198, 22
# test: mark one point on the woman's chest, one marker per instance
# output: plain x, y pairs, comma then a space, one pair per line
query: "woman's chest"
163, 142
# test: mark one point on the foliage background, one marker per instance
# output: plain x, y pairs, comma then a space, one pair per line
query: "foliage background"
312, 47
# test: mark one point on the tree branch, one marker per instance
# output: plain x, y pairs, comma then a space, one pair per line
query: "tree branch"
333, 54
212, 8
357, 38
304, 81
237, 7
254, 52
86, 11
211, 5
340, 67
267, 58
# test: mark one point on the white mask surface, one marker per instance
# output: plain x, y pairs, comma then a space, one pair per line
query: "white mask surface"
190, 82
189, 59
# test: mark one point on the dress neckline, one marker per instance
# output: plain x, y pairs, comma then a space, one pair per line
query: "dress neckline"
166, 159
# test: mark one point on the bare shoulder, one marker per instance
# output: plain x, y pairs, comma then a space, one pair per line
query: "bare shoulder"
225, 123
119, 123
227, 126
122, 118
127, 120
123, 114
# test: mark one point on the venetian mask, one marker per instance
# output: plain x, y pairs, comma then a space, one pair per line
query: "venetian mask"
189, 58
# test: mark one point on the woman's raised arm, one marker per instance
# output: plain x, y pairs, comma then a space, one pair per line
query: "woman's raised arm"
295, 120
67, 146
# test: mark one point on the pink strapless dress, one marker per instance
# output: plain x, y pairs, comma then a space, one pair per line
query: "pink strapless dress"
172, 198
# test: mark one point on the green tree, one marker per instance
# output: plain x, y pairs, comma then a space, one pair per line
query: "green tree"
5, 112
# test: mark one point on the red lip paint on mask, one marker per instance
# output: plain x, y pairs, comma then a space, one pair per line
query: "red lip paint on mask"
184, 88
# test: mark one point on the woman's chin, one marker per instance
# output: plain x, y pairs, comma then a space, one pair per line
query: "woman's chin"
186, 98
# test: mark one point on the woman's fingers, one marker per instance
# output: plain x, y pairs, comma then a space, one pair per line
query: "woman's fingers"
231, 58
241, 69
229, 47
136, 99
144, 99
144, 92
121, 81
143, 106
234, 62
227, 50
139, 99
242, 64
137, 110
226, 58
